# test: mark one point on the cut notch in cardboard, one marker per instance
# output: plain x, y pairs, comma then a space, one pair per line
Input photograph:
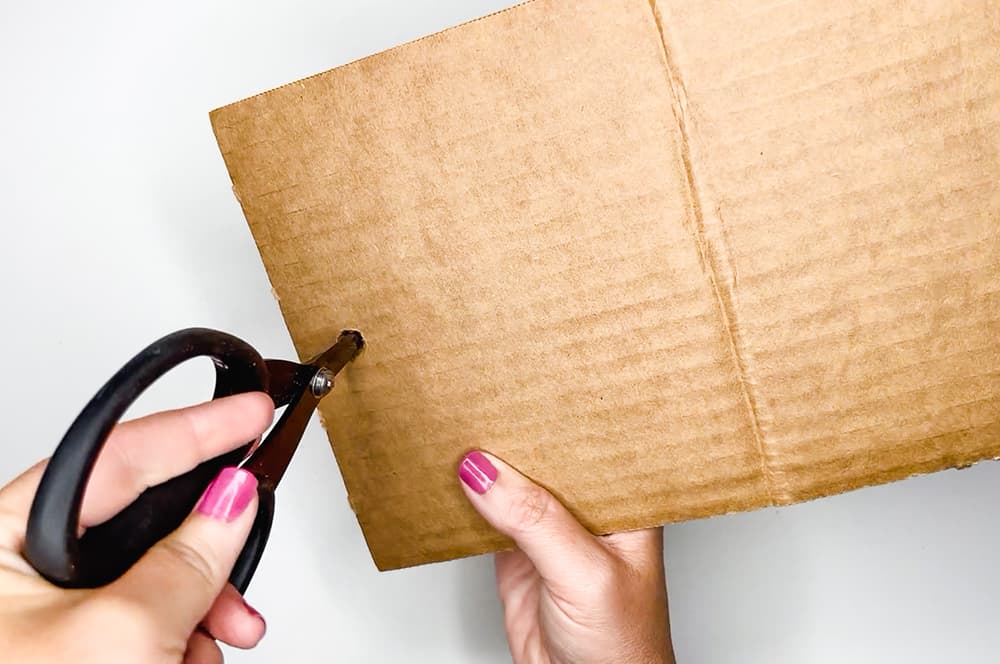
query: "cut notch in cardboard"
668, 260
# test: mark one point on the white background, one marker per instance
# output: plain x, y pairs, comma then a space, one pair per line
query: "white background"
119, 226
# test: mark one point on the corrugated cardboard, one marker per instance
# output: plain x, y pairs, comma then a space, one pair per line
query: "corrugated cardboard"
670, 260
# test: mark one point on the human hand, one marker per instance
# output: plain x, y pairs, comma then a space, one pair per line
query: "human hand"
173, 604
570, 597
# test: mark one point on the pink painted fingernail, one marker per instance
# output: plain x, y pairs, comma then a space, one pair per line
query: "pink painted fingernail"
477, 472
252, 611
228, 495
255, 613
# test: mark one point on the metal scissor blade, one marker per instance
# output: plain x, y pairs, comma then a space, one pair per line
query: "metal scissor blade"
307, 384
337, 356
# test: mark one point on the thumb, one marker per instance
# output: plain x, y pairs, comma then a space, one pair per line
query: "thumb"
179, 578
563, 552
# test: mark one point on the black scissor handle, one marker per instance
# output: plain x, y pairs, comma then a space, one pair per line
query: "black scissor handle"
106, 551
246, 564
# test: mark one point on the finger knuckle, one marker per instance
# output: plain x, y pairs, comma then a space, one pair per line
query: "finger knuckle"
190, 557
530, 508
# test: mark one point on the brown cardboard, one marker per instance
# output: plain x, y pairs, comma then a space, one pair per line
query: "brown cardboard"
670, 260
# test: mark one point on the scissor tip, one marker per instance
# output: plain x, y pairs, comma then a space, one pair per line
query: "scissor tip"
352, 337
340, 354
336, 357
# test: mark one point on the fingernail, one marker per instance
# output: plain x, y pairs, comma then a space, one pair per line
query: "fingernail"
255, 613
477, 472
228, 495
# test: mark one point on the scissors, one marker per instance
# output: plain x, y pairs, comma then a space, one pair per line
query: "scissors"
105, 552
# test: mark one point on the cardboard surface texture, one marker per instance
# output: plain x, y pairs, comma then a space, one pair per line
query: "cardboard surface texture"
669, 259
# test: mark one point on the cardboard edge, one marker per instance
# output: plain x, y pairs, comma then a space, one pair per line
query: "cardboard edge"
433, 35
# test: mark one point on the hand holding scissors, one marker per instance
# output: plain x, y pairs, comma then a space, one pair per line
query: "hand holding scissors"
110, 602
106, 551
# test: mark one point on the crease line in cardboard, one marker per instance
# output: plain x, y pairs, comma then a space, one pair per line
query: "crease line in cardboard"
711, 255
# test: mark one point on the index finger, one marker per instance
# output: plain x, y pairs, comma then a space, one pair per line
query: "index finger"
147, 451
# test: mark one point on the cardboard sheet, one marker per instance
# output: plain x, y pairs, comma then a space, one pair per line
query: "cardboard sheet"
670, 259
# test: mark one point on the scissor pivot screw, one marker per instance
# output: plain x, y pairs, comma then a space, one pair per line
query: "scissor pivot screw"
321, 383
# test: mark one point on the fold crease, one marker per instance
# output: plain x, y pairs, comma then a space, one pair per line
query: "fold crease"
716, 262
